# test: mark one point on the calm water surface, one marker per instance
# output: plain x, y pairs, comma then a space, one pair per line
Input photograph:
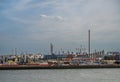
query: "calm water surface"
61, 75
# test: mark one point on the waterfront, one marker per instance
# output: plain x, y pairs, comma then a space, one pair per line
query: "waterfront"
61, 75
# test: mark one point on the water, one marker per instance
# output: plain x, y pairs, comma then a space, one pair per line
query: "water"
61, 75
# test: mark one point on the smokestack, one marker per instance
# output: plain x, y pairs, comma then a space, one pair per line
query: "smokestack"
51, 48
89, 42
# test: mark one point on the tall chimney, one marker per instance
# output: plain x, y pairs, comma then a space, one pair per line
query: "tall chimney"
89, 43
51, 48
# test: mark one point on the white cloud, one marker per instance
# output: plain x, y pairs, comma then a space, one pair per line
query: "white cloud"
52, 17
44, 16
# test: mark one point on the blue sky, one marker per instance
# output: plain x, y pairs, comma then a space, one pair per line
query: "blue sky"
34, 24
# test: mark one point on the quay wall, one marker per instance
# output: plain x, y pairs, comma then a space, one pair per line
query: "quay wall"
18, 67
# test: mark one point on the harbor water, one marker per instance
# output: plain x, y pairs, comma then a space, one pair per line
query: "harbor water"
61, 75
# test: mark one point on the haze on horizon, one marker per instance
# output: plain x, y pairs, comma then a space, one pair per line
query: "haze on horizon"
34, 24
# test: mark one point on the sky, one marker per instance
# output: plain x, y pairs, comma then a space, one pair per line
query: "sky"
31, 25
